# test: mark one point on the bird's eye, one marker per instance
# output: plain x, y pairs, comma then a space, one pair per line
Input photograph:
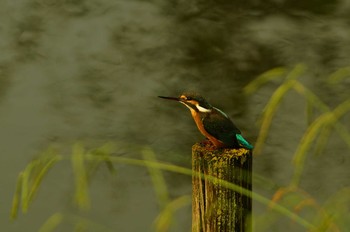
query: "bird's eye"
189, 98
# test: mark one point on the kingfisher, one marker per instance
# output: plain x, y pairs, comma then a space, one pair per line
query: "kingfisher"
213, 123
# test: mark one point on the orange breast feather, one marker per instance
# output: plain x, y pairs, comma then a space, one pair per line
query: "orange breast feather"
200, 126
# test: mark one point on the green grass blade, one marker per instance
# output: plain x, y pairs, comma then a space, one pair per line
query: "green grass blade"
164, 219
29, 181
39, 177
339, 75
81, 183
339, 127
322, 139
80, 226
264, 78
309, 111
157, 177
338, 208
326, 119
52, 223
305, 143
272, 105
16, 197
26, 185
106, 150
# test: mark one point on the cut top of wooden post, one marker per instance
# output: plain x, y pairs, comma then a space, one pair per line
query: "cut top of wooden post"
209, 152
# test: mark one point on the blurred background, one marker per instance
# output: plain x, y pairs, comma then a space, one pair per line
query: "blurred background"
90, 72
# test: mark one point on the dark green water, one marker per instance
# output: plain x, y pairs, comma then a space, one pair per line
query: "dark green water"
91, 71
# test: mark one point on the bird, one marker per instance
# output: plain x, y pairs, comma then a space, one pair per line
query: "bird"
213, 123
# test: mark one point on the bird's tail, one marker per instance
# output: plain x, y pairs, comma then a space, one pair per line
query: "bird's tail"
243, 142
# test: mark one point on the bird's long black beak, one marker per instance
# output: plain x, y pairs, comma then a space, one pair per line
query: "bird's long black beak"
170, 98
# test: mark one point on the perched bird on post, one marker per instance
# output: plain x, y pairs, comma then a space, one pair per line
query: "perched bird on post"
212, 122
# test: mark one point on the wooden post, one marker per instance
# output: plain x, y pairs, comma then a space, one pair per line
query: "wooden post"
214, 207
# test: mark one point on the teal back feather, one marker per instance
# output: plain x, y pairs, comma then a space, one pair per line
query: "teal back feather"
243, 142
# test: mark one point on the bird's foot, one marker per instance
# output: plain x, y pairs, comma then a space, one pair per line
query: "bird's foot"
208, 145
205, 142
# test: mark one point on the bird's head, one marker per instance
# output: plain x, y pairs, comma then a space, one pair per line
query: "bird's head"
193, 101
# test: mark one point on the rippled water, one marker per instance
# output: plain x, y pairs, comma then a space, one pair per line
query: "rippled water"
91, 71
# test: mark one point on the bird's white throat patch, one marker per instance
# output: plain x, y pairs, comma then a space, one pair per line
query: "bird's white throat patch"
202, 109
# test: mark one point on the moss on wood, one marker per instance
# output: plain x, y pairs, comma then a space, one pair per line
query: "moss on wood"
214, 207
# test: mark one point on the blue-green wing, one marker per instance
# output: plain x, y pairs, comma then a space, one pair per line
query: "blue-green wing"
222, 128
243, 142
